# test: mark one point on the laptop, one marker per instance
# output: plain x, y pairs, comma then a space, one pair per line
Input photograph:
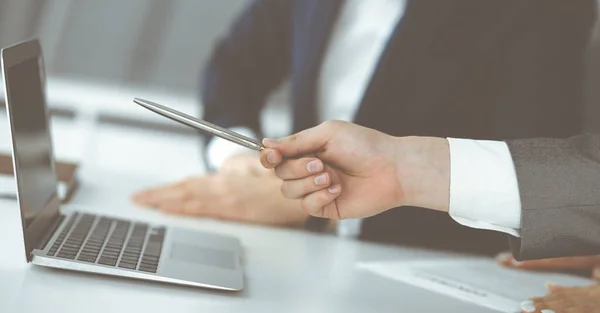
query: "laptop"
85, 242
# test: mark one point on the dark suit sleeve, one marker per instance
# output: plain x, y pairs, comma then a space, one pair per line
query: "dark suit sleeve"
543, 69
248, 64
559, 185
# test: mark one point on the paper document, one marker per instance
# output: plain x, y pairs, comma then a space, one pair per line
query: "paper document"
481, 281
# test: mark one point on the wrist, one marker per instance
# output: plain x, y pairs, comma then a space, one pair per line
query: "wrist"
423, 170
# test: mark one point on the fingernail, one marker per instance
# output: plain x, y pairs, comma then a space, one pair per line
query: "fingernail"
503, 257
270, 142
271, 157
314, 166
547, 311
516, 263
334, 189
552, 287
528, 306
321, 179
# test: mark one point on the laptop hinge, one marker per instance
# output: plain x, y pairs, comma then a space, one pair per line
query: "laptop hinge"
51, 230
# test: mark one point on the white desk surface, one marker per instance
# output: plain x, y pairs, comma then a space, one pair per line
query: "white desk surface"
286, 270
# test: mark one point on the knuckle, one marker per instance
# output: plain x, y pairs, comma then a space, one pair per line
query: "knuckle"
278, 171
332, 123
299, 168
308, 206
327, 124
284, 188
324, 197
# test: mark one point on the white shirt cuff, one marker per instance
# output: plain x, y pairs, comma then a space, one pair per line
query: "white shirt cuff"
219, 150
484, 191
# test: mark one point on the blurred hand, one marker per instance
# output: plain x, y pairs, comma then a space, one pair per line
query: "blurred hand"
240, 193
556, 264
566, 300
358, 172
244, 164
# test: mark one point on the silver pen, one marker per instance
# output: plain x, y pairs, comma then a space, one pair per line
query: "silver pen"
200, 124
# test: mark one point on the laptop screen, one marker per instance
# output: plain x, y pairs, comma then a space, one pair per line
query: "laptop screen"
36, 180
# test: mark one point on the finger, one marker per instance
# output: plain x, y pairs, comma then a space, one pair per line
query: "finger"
175, 206
586, 308
554, 288
559, 305
270, 158
584, 262
155, 196
596, 272
531, 306
569, 294
306, 141
256, 170
595, 291
296, 189
504, 258
543, 305
189, 207
316, 202
561, 291
298, 168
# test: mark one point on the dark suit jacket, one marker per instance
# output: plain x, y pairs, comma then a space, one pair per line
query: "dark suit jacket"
462, 68
559, 184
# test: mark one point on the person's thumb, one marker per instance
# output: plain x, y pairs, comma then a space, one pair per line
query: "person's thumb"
304, 142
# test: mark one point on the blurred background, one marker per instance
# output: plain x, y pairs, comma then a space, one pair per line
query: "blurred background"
100, 54
96, 50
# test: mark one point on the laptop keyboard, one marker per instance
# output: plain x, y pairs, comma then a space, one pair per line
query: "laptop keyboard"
110, 242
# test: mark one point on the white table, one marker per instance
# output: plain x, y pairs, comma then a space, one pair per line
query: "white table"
286, 270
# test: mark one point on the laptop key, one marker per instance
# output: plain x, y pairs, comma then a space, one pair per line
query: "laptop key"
130, 258
107, 262
130, 266
88, 255
145, 264
148, 269
66, 256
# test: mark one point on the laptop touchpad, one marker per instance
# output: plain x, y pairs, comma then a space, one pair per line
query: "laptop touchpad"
185, 252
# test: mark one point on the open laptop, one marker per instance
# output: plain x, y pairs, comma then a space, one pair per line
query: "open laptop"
87, 242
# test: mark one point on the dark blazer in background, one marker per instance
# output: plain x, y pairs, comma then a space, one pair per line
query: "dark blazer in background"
463, 68
559, 183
